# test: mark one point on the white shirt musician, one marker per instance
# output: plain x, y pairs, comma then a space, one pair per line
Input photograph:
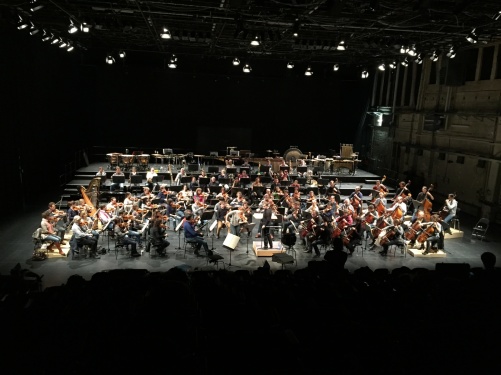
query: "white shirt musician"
398, 204
180, 175
149, 177
452, 205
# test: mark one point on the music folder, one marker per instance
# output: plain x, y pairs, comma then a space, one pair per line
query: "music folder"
118, 179
416, 204
231, 241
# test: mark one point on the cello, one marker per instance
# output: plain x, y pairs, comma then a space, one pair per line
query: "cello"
427, 233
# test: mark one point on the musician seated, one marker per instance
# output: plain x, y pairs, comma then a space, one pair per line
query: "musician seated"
158, 234
221, 208
383, 222
49, 234
436, 235
292, 221
106, 218
83, 237
101, 173
399, 204
198, 205
354, 233
114, 186
72, 211
149, 178
213, 185
174, 212
246, 218
90, 224
123, 236
239, 200
59, 219
369, 221
421, 197
191, 234
317, 233
393, 236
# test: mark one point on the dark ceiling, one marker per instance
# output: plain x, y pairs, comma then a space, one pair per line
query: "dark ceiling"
214, 30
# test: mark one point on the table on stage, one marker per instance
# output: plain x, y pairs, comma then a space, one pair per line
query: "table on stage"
351, 165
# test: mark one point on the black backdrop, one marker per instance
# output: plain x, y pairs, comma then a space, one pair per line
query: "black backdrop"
56, 103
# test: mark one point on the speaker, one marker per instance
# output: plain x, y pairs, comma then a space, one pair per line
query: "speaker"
231, 241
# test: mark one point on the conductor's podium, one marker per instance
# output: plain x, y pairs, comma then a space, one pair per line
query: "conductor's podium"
260, 252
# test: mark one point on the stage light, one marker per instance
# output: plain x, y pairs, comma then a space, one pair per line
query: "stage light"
403, 50
342, 46
365, 74
236, 61
165, 34
121, 54
452, 53
84, 27
256, 41
497, 16
172, 62
335, 67
419, 59
290, 65
393, 65
412, 51
405, 62
295, 28
382, 67
70, 47
33, 29
22, 24
62, 44
308, 72
247, 68
110, 60
434, 56
35, 5
72, 29
46, 36
472, 37
55, 40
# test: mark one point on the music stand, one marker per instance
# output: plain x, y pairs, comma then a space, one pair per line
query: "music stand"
416, 204
178, 230
223, 181
231, 241
284, 168
206, 216
212, 169
185, 180
136, 179
203, 181
211, 230
245, 181
302, 169
249, 227
231, 171
118, 179
264, 168
247, 169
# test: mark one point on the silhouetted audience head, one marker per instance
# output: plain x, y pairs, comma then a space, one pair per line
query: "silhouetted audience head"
488, 260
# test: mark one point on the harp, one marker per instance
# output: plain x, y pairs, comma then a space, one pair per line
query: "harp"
90, 194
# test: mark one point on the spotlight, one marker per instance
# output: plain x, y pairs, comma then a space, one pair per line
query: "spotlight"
365, 74
165, 34
84, 27
55, 40
35, 5
46, 36
412, 51
110, 60
403, 49
70, 47
335, 67
255, 41
497, 16
236, 61
290, 65
434, 56
419, 59
382, 67
72, 28
172, 62
342, 46
393, 65
405, 62
121, 54
62, 44
472, 37
295, 28
452, 53
247, 68
22, 24
308, 72
33, 29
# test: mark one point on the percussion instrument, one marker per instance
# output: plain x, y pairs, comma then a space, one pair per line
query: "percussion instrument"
126, 160
143, 160
328, 164
113, 159
291, 156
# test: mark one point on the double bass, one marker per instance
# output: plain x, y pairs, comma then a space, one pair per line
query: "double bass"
427, 205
